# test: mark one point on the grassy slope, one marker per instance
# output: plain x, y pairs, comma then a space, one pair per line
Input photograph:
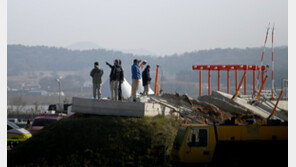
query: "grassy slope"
99, 141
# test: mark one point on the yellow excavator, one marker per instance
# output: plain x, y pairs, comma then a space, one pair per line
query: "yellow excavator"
232, 145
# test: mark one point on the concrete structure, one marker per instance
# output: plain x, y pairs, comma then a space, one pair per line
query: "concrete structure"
283, 104
281, 110
264, 112
117, 108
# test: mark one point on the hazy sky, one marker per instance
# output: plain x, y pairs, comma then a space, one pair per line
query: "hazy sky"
160, 26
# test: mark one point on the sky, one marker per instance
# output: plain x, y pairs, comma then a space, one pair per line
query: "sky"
163, 27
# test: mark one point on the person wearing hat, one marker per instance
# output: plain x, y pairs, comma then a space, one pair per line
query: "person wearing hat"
146, 79
136, 76
96, 74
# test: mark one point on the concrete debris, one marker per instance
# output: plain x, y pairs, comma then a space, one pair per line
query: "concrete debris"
117, 108
268, 106
224, 105
258, 109
206, 109
213, 111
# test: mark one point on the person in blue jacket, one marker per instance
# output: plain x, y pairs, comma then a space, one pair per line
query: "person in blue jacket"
136, 77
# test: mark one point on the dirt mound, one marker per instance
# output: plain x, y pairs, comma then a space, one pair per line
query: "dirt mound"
176, 99
212, 111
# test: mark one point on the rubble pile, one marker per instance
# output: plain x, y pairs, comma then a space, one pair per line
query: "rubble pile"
210, 109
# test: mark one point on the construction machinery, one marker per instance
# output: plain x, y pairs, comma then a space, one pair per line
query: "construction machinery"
232, 145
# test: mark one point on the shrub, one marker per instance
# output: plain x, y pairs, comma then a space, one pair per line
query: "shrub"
99, 141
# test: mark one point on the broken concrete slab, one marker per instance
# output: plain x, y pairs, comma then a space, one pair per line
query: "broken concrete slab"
224, 105
243, 103
117, 108
283, 104
269, 106
185, 111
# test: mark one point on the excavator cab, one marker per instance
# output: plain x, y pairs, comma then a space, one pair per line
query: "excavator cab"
194, 144
230, 145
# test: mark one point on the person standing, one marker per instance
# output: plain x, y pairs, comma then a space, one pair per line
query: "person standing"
96, 74
115, 77
112, 78
146, 79
120, 81
136, 76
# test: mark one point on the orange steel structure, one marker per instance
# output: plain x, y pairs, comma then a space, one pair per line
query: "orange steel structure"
228, 68
261, 88
277, 102
156, 80
239, 86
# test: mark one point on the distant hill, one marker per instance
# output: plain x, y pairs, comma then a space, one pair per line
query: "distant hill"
139, 52
24, 58
83, 46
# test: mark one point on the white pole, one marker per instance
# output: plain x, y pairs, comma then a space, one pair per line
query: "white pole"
272, 65
59, 84
258, 80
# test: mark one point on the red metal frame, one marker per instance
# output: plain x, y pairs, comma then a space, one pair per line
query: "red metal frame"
219, 80
236, 76
209, 82
236, 68
241, 82
200, 82
254, 81
227, 67
228, 90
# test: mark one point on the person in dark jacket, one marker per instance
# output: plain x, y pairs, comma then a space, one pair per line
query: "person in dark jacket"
116, 76
146, 79
96, 74
111, 72
120, 81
